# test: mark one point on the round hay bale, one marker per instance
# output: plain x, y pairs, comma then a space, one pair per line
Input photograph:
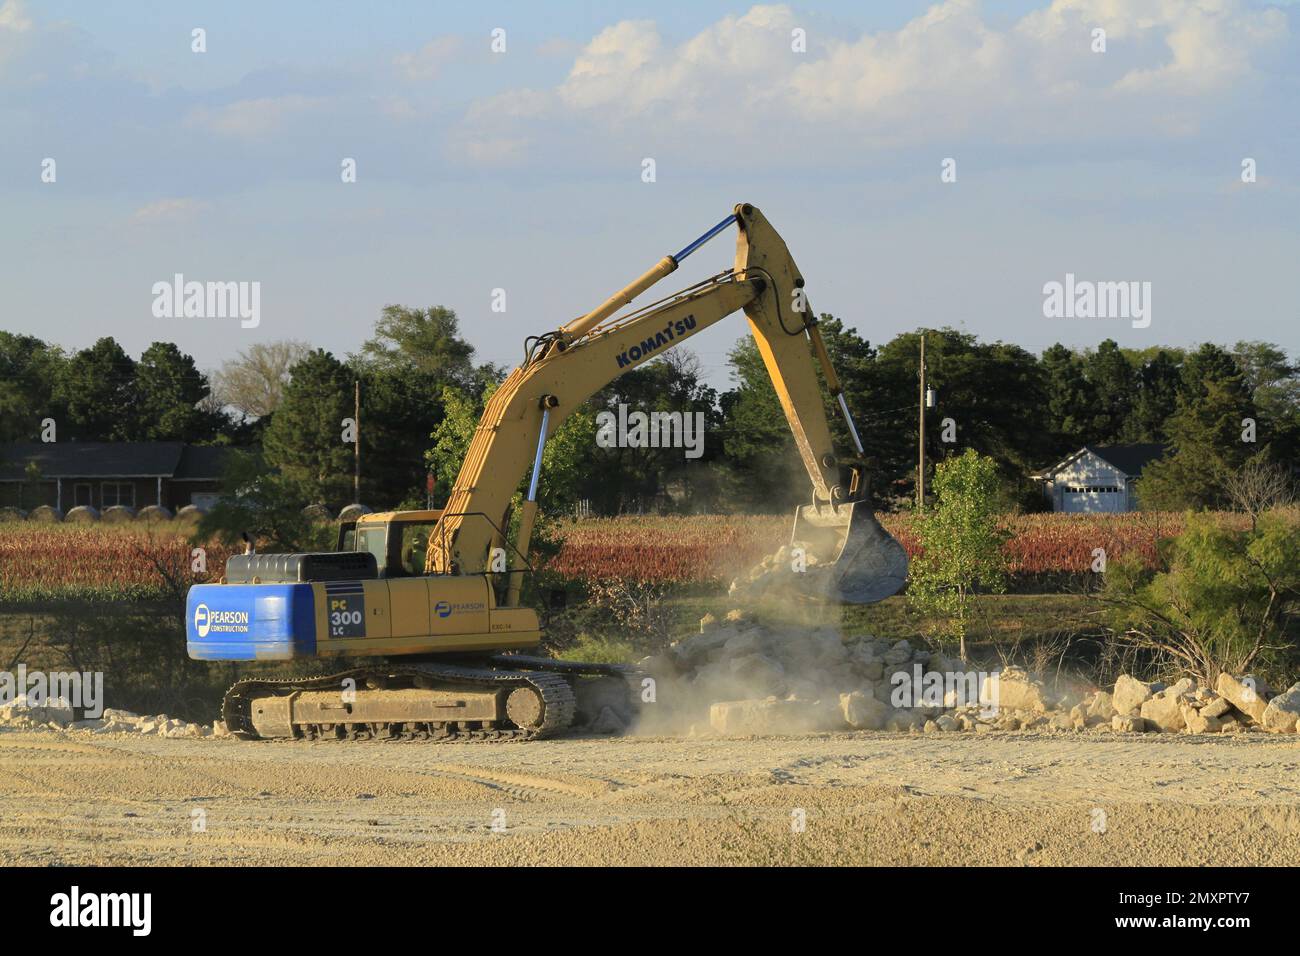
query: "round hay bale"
154, 513
190, 513
317, 513
46, 513
117, 514
12, 514
353, 512
84, 514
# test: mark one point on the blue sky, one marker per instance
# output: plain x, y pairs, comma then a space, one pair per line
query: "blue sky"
522, 170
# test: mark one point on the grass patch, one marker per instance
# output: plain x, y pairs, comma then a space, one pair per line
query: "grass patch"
600, 649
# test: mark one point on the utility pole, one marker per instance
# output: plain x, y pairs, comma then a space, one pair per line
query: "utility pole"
920, 467
356, 444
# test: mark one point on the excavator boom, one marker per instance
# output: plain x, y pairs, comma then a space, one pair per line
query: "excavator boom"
566, 367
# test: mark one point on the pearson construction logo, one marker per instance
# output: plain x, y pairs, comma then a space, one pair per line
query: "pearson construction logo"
207, 620
74, 908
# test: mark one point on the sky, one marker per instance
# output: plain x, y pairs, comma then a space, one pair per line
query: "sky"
522, 169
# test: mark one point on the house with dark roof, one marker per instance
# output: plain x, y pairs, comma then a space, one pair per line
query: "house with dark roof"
102, 474
1098, 478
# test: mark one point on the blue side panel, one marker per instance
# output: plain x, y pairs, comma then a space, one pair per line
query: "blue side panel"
250, 622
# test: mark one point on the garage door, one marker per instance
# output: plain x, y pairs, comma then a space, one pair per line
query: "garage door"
1094, 499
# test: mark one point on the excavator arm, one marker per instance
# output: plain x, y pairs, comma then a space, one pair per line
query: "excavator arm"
566, 367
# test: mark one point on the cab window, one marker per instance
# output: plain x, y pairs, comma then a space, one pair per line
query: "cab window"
372, 540
412, 544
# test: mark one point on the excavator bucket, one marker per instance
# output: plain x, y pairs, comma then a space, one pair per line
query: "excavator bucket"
854, 559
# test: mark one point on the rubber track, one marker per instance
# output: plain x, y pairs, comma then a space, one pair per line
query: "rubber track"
557, 698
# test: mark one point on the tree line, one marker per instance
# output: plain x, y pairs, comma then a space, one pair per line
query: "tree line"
283, 405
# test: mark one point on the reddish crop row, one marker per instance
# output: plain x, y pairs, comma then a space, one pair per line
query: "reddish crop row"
116, 563
713, 549
39, 562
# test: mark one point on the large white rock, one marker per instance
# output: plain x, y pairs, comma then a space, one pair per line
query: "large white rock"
1245, 693
902, 721
1164, 711
1216, 707
1016, 690
1101, 705
1131, 693
23, 709
1283, 711
1127, 724
1199, 722
768, 716
694, 650
862, 711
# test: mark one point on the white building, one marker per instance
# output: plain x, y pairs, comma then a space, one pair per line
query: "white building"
1098, 479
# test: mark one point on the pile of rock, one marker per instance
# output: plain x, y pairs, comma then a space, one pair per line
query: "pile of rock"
773, 575
739, 678
1235, 704
22, 713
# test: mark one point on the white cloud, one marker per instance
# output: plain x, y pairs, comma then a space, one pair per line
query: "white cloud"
427, 62
944, 73
254, 117
162, 211
13, 16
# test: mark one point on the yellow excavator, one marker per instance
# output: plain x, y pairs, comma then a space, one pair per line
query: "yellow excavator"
434, 595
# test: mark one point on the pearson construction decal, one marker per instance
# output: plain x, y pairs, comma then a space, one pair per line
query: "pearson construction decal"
223, 622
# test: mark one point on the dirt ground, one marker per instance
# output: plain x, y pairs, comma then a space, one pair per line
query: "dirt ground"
886, 799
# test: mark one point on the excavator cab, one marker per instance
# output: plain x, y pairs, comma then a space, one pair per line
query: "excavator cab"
399, 540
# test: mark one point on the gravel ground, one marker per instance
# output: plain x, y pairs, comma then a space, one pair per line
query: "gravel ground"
73, 797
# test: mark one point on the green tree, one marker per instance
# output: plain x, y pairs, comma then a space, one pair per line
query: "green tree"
562, 460
1221, 599
427, 341
304, 441
97, 387
399, 410
995, 395
168, 391
1205, 435
1158, 382
961, 545
1274, 385
1070, 396
618, 478
1113, 385
29, 369
764, 468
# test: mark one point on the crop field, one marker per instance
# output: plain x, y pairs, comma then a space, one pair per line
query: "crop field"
133, 562
101, 562
711, 549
